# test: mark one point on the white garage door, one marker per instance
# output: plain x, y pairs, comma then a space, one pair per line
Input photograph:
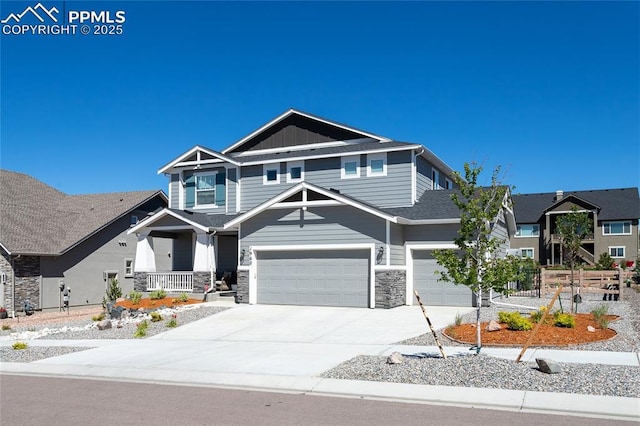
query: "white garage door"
315, 278
434, 292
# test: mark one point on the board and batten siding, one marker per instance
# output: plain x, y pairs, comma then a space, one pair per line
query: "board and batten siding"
174, 191
396, 244
320, 225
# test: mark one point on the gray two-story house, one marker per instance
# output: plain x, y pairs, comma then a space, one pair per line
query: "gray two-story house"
308, 211
614, 214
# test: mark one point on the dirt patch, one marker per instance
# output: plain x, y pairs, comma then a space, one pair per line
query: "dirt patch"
151, 304
547, 335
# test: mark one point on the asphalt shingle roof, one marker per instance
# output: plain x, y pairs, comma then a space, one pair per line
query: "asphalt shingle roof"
38, 219
615, 204
205, 219
432, 205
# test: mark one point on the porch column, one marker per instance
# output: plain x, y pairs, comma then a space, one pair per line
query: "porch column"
202, 256
145, 257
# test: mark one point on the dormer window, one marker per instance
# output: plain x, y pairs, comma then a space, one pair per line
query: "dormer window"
206, 189
271, 175
295, 171
350, 167
377, 164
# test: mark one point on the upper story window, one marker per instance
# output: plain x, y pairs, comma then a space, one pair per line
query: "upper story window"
616, 228
435, 179
377, 164
448, 184
295, 171
532, 230
206, 189
350, 167
271, 175
128, 267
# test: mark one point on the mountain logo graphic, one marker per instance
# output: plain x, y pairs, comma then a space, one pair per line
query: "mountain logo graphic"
38, 11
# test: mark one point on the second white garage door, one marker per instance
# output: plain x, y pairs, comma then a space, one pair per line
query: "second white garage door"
314, 277
432, 291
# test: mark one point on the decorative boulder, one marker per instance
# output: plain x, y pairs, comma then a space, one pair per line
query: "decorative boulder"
548, 366
591, 329
493, 326
395, 358
104, 325
116, 312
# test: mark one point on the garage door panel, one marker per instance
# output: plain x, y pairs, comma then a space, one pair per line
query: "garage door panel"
432, 291
316, 278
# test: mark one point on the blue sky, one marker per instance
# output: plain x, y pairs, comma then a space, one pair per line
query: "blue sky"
548, 90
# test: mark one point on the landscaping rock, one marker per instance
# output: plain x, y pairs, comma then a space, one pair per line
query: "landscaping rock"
548, 366
104, 325
493, 326
591, 329
395, 358
116, 312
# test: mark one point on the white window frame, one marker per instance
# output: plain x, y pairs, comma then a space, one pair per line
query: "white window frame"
195, 188
624, 252
534, 225
623, 222
126, 272
266, 168
533, 252
435, 178
291, 165
374, 157
349, 159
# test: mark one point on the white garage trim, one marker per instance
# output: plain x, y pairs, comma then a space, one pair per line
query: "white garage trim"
253, 273
409, 248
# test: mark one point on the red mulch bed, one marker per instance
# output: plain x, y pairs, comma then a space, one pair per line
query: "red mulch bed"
547, 335
156, 303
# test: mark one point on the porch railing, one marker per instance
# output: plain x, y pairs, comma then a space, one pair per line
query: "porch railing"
170, 281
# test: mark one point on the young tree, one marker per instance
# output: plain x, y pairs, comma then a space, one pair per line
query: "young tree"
573, 227
477, 263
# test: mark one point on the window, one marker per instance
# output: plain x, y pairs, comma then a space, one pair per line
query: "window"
206, 189
350, 167
435, 179
295, 171
616, 252
377, 164
448, 184
527, 230
526, 252
616, 228
128, 267
271, 174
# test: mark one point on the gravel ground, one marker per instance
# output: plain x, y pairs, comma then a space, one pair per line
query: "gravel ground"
487, 372
87, 329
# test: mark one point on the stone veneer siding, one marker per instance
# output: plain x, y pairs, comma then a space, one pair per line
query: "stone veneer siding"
7, 270
140, 281
242, 295
391, 288
27, 281
200, 280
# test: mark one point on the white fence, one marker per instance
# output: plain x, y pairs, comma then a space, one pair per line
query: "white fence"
170, 281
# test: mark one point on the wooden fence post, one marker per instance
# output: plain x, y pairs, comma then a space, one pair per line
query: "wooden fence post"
620, 282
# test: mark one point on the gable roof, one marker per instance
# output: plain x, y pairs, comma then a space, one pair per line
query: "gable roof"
37, 219
194, 156
615, 204
319, 125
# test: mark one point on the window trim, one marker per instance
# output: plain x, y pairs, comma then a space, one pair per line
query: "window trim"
435, 179
537, 235
624, 252
195, 189
533, 252
349, 159
623, 222
266, 168
126, 274
373, 157
448, 183
291, 165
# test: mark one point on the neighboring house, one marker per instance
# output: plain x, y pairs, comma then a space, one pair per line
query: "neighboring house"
614, 213
308, 211
48, 238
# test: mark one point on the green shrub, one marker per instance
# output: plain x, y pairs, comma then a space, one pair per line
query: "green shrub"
135, 297
514, 321
183, 297
157, 294
171, 323
6, 327
600, 316
458, 319
112, 294
155, 317
19, 345
564, 320
98, 317
141, 329
605, 262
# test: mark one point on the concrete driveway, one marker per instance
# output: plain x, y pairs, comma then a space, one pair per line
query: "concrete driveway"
266, 340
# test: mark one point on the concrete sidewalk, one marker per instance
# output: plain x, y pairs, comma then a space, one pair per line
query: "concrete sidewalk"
285, 349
